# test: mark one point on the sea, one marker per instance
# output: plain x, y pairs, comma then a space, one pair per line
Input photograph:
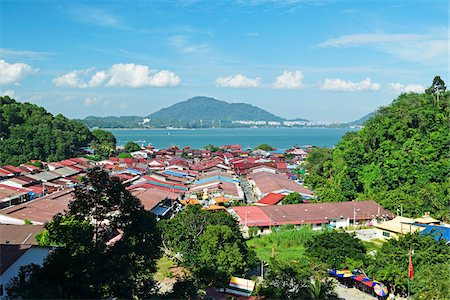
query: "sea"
280, 138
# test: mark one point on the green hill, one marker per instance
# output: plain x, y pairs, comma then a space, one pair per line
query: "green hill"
209, 109
400, 158
112, 122
361, 120
28, 131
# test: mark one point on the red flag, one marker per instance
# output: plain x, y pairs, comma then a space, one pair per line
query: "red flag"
410, 269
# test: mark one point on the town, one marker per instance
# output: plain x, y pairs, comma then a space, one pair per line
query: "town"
261, 188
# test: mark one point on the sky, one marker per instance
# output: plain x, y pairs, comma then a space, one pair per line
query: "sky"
332, 61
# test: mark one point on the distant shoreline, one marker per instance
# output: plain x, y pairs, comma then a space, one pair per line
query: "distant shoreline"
281, 127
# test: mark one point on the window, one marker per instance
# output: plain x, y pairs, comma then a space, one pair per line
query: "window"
386, 234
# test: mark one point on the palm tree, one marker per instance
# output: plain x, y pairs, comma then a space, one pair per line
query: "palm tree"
322, 290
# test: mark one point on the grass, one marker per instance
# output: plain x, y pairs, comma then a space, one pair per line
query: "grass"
288, 243
373, 245
164, 266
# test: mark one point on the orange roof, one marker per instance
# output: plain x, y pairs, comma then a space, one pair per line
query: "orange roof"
190, 201
215, 207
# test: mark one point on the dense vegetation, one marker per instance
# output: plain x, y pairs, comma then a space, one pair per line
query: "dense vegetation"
430, 262
28, 132
89, 264
209, 244
112, 122
209, 109
400, 158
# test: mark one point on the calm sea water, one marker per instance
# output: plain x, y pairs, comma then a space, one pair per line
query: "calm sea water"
281, 138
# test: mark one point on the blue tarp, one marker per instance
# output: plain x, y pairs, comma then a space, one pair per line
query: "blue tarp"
439, 232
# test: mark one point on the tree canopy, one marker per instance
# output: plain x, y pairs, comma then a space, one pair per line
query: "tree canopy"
430, 262
29, 132
209, 244
336, 249
131, 146
264, 147
108, 245
400, 157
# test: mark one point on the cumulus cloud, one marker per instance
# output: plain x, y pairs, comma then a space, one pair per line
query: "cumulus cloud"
349, 86
238, 81
128, 75
9, 93
89, 101
13, 73
406, 88
289, 80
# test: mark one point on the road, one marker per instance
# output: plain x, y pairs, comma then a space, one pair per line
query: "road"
248, 191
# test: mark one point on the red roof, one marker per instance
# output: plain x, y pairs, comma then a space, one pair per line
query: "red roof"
12, 169
271, 199
68, 162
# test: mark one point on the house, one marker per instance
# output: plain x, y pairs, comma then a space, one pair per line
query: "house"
270, 199
161, 203
264, 183
14, 256
395, 227
317, 215
19, 234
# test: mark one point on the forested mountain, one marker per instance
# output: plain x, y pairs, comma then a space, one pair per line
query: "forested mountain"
209, 109
28, 131
112, 122
399, 159
361, 120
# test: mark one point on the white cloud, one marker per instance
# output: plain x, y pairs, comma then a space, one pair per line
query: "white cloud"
406, 88
183, 45
96, 16
13, 73
349, 86
425, 48
89, 101
289, 80
24, 54
238, 81
129, 75
9, 93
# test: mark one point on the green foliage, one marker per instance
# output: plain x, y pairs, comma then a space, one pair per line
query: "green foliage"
399, 158
37, 164
211, 148
112, 122
209, 109
104, 143
292, 198
210, 243
124, 155
336, 248
88, 264
293, 281
437, 87
27, 222
430, 261
131, 146
28, 132
264, 147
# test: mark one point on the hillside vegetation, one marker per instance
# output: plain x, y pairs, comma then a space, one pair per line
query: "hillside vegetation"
400, 158
112, 122
209, 109
28, 131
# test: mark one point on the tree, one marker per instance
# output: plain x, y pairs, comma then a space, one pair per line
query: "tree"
108, 246
208, 243
437, 87
293, 281
292, 198
430, 261
335, 249
211, 148
265, 147
131, 146
104, 143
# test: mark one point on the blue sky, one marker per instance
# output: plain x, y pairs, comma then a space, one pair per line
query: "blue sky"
321, 60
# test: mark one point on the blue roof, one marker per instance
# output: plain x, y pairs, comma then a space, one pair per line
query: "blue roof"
175, 173
213, 178
160, 210
439, 232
